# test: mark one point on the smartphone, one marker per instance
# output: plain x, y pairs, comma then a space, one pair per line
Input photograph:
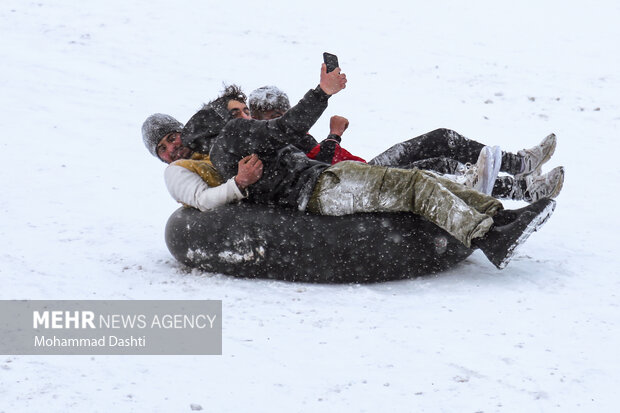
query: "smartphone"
331, 61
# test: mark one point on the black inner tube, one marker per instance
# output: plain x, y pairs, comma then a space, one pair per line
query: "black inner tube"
258, 241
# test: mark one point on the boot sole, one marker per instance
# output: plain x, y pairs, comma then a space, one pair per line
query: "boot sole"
558, 188
551, 152
537, 222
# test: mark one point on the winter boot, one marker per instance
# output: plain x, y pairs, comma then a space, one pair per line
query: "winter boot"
500, 242
482, 175
508, 216
533, 187
534, 157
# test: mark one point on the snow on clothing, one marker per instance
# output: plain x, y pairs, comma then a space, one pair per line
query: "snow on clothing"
195, 182
443, 151
290, 177
504, 187
199, 131
330, 151
288, 174
352, 187
444, 143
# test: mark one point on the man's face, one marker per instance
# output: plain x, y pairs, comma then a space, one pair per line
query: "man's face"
170, 148
238, 109
268, 114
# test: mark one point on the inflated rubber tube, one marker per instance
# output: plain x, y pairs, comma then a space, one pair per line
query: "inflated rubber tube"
258, 241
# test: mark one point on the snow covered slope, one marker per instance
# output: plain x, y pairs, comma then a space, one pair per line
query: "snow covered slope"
83, 204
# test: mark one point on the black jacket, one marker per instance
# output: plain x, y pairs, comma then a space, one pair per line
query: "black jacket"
202, 128
289, 175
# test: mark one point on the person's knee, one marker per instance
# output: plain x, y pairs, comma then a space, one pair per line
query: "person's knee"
444, 132
447, 139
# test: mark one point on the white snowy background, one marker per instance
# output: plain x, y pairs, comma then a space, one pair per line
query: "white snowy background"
83, 205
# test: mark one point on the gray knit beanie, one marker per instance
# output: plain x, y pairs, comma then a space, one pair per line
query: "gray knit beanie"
155, 127
268, 98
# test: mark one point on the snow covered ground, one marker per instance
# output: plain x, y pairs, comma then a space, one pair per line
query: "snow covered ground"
83, 204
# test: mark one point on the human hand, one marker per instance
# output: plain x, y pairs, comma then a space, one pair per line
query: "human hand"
337, 125
332, 82
249, 171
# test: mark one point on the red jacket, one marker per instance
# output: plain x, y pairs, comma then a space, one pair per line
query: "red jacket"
330, 151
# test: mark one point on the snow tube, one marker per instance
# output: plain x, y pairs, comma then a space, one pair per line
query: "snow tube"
258, 241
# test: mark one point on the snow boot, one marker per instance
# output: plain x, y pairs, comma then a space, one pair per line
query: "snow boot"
482, 175
500, 243
533, 187
508, 216
534, 157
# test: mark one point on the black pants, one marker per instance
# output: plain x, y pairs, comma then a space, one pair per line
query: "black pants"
441, 151
441, 143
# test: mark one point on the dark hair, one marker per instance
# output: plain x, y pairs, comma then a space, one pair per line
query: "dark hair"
234, 92
230, 92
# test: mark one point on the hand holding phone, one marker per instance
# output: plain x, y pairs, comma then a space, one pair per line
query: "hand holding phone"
331, 61
332, 82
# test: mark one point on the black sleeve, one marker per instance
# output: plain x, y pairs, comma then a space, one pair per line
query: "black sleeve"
328, 148
298, 120
306, 143
201, 129
241, 137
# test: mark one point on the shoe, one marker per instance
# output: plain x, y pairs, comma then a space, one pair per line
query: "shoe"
533, 187
534, 157
507, 216
480, 176
501, 242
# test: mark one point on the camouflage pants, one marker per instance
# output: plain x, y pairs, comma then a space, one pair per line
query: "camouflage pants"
352, 187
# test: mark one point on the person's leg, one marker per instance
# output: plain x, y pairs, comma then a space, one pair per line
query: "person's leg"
442, 143
531, 187
479, 176
485, 204
503, 187
459, 172
352, 187
528, 188
438, 143
440, 165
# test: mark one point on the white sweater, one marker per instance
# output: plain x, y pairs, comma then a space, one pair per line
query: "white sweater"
188, 188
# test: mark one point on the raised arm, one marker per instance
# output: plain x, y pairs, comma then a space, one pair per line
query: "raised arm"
241, 137
301, 117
